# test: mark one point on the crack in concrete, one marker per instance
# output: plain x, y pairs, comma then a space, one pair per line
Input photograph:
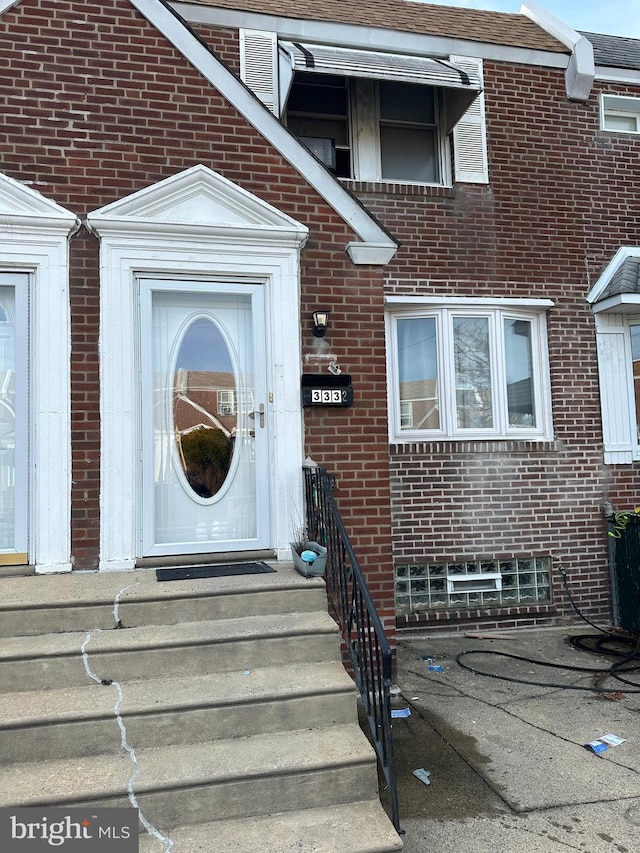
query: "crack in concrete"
168, 844
546, 836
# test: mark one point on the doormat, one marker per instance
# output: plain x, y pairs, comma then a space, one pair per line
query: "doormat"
185, 573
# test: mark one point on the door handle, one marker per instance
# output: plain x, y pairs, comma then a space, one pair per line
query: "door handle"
260, 412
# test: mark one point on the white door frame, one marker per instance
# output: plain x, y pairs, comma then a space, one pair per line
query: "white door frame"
34, 235
197, 224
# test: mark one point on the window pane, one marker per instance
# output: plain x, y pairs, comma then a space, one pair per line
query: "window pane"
519, 369
620, 122
635, 355
320, 128
7, 418
318, 94
472, 361
317, 108
406, 102
418, 373
408, 154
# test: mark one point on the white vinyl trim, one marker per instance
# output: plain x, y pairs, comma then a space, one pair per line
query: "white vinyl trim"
580, 71
162, 231
7, 4
34, 234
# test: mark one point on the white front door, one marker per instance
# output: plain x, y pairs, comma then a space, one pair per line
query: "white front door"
204, 417
14, 428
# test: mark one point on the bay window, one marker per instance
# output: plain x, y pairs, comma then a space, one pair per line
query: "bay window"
468, 372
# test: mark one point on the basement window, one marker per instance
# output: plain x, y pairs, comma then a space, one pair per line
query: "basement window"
472, 583
478, 582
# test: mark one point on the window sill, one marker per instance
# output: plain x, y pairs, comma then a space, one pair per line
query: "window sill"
531, 615
450, 446
397, 188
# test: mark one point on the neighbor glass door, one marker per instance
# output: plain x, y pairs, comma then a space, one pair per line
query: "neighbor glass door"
14, 426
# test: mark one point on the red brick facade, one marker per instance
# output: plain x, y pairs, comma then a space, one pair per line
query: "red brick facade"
556, 210
99, 105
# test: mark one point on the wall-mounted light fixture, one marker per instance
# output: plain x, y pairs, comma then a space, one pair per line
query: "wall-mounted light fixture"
320, 323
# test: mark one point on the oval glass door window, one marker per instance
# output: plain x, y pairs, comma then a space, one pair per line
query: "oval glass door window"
205, 407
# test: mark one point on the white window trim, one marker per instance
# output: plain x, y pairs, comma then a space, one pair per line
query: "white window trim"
629, 106
617, 400
194, 223
532, 310
364, 118
34, 236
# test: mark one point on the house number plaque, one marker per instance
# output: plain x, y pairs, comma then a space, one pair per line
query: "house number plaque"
320, 390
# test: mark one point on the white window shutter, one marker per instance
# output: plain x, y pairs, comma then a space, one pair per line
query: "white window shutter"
259, 65
470, 133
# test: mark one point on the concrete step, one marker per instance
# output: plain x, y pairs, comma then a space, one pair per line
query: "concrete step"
218, 707
87, 601
358, 827
49, 661
214, 780
80, 721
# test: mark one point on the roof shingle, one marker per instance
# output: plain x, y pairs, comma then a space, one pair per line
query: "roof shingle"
615, 51
408, 16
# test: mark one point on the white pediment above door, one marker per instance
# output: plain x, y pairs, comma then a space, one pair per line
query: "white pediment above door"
20, 205
200, 202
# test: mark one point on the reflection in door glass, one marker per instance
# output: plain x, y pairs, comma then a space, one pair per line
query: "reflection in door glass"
205, 408
200, 452
7, 419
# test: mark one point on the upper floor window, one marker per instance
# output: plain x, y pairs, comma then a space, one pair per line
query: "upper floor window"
620, 113
373, 130
318, 114
472, 372
374, 116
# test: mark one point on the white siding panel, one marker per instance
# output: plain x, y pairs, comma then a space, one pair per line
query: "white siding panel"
616, 393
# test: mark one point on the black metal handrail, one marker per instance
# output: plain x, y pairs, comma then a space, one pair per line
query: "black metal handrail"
353, 609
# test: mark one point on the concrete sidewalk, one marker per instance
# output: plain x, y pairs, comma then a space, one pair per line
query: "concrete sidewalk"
509, 770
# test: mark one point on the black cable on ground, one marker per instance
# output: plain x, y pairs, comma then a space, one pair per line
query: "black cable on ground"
602, 645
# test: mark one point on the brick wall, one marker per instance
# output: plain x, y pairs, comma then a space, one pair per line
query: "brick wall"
556, 210
98, 106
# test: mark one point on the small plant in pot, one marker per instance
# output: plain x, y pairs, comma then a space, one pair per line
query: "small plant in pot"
309, 558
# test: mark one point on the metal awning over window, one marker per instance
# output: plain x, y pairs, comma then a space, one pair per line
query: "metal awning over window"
462, 86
